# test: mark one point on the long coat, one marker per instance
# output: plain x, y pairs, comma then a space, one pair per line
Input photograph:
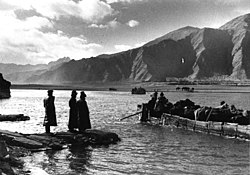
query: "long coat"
50, 112
73, 118
83, 115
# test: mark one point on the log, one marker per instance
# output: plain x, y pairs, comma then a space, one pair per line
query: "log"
14, 117
59, 140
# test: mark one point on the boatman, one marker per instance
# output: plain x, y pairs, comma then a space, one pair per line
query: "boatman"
50, 112
83, 113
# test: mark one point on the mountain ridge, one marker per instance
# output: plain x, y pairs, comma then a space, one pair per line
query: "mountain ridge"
186, 53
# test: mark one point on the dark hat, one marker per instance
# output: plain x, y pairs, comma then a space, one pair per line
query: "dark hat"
73, 92
50, 91
83, 94
162, 94
222, 103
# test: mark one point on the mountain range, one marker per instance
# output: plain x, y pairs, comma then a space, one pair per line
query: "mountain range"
187, 53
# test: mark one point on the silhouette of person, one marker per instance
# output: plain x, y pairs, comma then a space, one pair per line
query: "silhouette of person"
73, 120
50, 112
83, 113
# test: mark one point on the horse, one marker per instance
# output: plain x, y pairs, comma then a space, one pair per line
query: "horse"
185, 88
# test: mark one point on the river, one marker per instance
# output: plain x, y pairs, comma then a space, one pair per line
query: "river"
144, 149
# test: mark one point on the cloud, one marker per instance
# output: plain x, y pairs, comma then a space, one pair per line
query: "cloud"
140, 44
21, 41
44, 47
24, 40
123, 1
133, 23
111, 24
228, 2
88, 10
122, 47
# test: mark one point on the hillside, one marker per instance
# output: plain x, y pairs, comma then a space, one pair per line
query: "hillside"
188, 53
21, 73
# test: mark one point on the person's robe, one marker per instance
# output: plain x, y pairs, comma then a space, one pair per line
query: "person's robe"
73, 119
83, 115
50, 112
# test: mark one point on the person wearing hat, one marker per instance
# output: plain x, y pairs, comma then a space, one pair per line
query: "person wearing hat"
50, 112
73, 120
83, 113
161, 104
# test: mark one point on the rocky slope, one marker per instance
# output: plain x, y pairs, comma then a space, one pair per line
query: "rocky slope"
188, 52
4, 87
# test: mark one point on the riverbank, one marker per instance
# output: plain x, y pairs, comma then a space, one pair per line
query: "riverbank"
15, 145
10, 159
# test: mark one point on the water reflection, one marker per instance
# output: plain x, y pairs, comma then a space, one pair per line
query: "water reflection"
79, 158
74, 160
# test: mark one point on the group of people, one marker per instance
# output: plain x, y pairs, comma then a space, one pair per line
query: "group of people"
157, 106
78, 112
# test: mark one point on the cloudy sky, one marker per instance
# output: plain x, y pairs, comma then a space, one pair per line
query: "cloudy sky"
34, 31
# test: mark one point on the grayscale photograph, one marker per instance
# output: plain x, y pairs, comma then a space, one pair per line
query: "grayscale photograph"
124, 87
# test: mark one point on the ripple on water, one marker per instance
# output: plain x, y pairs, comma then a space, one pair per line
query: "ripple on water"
144, 149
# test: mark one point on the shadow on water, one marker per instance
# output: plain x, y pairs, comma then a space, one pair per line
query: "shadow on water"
79, 158
74, 160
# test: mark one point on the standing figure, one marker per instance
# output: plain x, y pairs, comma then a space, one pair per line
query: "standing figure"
50, 112
83, 113
73, 120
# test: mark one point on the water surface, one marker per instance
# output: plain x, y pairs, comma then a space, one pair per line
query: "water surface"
144, 149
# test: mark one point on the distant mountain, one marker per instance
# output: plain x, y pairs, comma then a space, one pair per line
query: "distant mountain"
21, 73
189, 52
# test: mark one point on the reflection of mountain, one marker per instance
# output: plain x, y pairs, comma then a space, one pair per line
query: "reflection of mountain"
184, 53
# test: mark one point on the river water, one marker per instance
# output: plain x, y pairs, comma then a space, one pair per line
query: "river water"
144, 149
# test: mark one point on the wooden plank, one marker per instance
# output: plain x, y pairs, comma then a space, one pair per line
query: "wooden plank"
230, 129
215, 128
191, 124
201, 126
183, 122
243, 131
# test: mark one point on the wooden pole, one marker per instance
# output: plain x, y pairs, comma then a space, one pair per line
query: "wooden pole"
209, 114
130, 115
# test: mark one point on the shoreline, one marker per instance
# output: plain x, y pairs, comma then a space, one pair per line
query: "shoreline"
127, 87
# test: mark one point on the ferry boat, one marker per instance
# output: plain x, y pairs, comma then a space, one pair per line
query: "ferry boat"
227, 129
139, 90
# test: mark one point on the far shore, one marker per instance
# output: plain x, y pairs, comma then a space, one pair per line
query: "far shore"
127, 87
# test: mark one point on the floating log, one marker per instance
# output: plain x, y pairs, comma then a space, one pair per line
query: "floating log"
58, 140
14, 117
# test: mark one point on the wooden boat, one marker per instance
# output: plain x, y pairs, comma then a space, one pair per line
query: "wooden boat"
139, 90
210, 127
112, 89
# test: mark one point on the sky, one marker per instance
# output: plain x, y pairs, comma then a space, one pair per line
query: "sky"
34, 32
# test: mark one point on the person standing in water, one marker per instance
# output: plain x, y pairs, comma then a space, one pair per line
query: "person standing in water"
73, 119
83, 113
50, 112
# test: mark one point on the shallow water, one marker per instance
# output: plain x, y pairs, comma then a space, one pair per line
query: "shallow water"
144, 149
